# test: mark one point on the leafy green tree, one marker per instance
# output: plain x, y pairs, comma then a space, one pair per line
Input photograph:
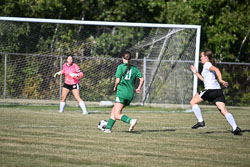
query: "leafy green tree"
225, 30
224, 25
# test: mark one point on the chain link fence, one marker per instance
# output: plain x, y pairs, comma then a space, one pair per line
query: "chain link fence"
31, 77
238, 77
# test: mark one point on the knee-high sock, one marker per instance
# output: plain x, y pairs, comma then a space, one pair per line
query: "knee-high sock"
197, 112
126, 119
231, 121
62, 105
110, 124
83, 107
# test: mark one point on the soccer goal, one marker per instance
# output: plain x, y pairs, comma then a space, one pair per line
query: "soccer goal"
32, 50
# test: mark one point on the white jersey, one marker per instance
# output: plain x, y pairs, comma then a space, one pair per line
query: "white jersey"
209, 77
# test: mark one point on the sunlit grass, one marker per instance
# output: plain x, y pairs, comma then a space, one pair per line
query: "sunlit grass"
40, 136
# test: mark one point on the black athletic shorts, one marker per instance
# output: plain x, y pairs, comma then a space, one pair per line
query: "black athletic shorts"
71, 87
212, 95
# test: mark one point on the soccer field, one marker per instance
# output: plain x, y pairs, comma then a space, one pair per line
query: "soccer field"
40, 136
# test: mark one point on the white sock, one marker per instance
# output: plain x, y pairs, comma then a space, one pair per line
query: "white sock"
83, 107
197, 112
62, 105
231, 121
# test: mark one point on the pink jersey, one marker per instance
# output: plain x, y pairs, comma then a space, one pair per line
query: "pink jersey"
67, 70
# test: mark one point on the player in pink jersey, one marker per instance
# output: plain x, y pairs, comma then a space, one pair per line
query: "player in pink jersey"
72, 72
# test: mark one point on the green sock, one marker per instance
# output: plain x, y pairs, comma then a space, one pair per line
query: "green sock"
126, 119
110, 124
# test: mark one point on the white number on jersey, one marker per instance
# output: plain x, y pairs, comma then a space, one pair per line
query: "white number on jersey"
128, 75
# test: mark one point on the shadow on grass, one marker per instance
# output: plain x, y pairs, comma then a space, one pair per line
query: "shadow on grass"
211, 132
245, 130
149, 131
242, 131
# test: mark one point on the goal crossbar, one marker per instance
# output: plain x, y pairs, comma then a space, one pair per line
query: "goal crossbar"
100, 23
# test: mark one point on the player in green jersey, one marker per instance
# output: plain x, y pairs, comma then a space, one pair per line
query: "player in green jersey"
126, 75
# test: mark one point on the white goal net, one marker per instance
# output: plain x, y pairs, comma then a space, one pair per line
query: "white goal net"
32, 50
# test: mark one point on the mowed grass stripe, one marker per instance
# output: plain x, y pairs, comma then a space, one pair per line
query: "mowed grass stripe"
48, 138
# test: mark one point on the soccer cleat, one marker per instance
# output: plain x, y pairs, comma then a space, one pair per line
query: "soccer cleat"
237, 131
199, 124
107, 131
132, 124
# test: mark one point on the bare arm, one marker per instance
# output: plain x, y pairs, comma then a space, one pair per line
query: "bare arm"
219, 76
138, 90
80, 74
193, 69
117, 81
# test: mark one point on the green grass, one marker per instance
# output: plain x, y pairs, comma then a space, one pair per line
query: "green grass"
40, 136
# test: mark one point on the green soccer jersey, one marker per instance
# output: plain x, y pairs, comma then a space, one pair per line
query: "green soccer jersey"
125, 88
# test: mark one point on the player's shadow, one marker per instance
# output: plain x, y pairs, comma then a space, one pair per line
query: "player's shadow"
150, 131
242, 132
245, 130
211, 132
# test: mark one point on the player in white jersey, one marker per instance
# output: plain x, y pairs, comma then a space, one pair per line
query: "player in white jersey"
212, 91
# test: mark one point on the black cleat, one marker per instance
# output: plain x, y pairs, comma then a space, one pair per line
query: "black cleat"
237, 131
199, 124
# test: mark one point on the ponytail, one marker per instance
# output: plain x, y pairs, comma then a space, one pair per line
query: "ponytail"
213, 61
128, 66
127, 56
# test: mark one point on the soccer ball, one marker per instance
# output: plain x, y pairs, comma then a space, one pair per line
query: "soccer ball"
102, 124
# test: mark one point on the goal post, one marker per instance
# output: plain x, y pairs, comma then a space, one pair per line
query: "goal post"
196, 62
33, 49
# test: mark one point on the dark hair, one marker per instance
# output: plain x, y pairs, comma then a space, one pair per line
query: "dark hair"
72, 58
127, 56
209, 54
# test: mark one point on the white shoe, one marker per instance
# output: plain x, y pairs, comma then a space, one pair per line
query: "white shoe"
85, 113
107, 131
132, 124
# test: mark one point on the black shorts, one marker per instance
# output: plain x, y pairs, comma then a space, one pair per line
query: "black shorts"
212, 95
71, 87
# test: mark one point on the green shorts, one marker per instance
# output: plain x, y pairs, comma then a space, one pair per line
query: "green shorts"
123, 101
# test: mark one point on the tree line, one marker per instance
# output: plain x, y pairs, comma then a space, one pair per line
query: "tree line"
225, 25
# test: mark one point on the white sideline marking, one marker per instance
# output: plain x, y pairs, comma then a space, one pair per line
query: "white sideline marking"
43, 126
149, 111
154, 111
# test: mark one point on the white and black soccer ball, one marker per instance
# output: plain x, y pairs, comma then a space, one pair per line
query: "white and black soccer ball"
102, 124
